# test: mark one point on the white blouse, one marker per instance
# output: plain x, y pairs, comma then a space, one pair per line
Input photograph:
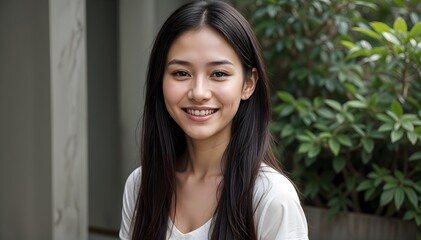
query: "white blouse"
278, 215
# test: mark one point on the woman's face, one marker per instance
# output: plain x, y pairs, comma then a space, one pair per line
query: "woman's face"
204, 83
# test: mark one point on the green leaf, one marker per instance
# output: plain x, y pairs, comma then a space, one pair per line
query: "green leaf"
357, 68
418, 221
356, 104
410, 118
334, 146
415, 157
359, 130
348, 44
384, 118
305, 147
366, 46
311, 135
415, 31
369, 194
417, 122
386, 127
344, 140
372, 102
357, 53
366, 157
286, 97
396, 135
304, 138
311, 189
354, 78
390, 178
364, 185
380, 27
399, 197
334, 104
366, 32
340, 118
325, 113
286, 110
314, 151
397, 126
325, 135
408, 126
317, 101
386, 197
287, 130
377, 169
392, 115
391, 38
412, 196
412, 137
400, 25
339, 164
390, 185
367, 4
396, 108
409, 215
372, 58
368, 144
349, 117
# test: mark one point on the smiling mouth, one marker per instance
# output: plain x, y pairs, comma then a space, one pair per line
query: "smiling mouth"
196, 112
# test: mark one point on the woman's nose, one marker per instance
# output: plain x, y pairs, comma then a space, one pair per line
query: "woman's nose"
200, 89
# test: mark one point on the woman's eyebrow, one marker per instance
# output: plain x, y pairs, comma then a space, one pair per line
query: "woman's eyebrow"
220, 62
179, 62
186, 63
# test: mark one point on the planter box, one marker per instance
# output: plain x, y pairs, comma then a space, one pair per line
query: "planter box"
355, 226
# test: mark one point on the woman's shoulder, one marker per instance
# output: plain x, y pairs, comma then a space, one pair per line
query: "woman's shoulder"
129, 201
272, 184
132, 184
134, 176
278, 211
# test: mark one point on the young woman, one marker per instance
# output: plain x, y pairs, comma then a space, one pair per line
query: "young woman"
207, 168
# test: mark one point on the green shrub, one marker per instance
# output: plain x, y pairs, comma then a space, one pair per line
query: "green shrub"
347, 100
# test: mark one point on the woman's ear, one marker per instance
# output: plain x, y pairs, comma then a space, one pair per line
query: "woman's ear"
250, 84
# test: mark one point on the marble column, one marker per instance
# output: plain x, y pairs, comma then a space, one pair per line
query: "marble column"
69, 118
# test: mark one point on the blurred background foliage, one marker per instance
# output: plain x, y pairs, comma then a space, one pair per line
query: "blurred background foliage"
346, 84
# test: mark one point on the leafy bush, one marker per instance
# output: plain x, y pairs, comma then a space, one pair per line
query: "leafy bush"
347, 94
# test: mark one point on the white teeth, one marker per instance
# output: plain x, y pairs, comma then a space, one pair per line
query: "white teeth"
200, 112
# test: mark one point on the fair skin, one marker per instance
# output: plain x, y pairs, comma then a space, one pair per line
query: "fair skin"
203, 86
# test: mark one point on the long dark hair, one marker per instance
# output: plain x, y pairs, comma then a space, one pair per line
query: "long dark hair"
163, 141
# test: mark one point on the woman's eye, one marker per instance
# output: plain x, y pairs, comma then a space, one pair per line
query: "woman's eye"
219, 74
181, 74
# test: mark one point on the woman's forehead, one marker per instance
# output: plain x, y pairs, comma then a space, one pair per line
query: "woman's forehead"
202, 45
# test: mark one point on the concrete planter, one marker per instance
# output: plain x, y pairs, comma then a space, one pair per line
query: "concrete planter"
354, 226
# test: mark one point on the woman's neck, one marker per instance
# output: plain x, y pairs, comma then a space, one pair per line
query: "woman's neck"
204, 159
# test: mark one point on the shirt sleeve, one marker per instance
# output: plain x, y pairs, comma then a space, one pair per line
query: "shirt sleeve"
129, 204
279, 213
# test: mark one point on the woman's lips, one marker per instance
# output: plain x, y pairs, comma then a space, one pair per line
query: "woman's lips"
200, 112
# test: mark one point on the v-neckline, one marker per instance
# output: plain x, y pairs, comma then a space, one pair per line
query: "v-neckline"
174, 228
